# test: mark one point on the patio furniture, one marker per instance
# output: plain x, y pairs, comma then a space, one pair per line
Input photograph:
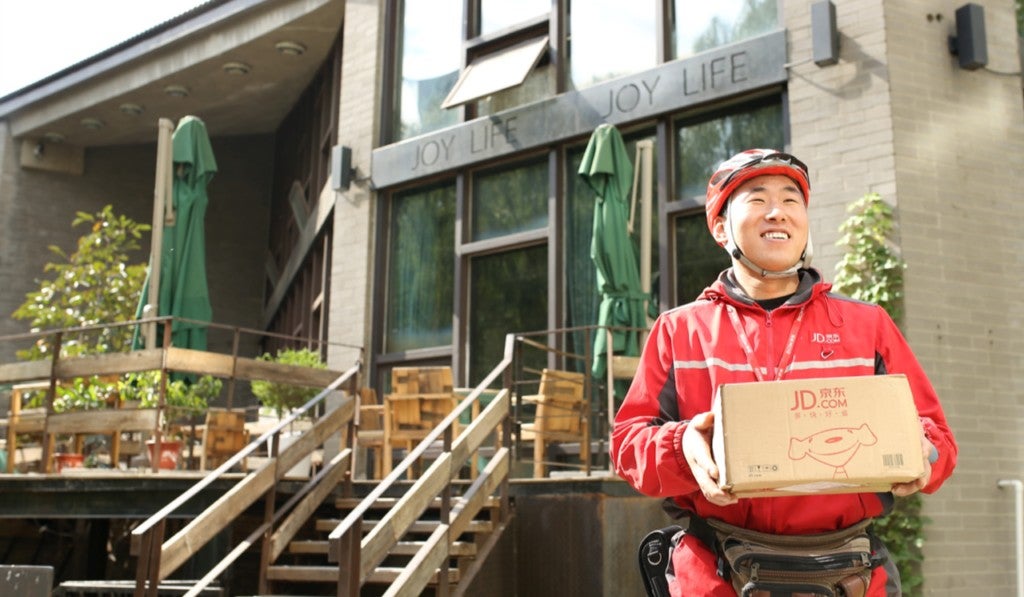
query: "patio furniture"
561, 416
420, 398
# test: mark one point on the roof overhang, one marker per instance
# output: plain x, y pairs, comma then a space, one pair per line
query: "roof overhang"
189, 51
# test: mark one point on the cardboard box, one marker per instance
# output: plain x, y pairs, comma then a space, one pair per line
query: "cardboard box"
810, 436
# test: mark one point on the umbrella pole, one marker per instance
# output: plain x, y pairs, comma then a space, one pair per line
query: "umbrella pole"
161, 195
646, 165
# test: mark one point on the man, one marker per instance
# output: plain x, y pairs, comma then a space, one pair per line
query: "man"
759, 322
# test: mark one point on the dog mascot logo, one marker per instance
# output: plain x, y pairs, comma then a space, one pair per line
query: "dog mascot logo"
832, 447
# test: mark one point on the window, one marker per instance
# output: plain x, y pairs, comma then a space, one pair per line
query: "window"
700, 25
609, 39
494, 72
429, 58
700, 259
509, 293
510, 200
496, 15
420, 277
701, 147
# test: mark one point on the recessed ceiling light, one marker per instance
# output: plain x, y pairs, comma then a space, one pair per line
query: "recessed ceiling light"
291, 48
52, 137
236, 68
130, 109
176, 90
91, 123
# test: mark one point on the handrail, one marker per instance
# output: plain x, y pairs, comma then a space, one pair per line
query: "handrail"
164, 319
243, 453
144, 537
344, 540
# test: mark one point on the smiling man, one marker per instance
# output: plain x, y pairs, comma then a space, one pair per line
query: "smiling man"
768, 317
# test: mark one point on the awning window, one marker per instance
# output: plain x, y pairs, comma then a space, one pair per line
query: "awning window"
496, 71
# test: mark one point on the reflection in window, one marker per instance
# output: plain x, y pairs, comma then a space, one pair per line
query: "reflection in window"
699, 258
703, 146
510, 200
429, 59
539, 84
609, 39
496, 71
421, 245
701, 25
501, 14
509, 293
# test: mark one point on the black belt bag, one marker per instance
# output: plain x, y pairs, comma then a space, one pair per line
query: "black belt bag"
836, 564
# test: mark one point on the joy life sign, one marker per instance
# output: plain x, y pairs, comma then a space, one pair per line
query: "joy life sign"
722, 72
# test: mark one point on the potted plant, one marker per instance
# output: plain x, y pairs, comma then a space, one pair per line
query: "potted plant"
282, 398
182, 400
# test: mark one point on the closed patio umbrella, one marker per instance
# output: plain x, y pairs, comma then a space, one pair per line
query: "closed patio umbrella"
607, 169
183, 290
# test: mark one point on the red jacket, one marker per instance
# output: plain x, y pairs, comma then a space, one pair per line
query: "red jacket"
693, 349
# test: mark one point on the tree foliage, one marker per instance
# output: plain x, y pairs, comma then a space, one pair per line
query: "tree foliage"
283, 397
872, 270
94, 284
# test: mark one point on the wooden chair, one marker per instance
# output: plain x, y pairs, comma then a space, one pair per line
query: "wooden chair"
420, 398
561, 416
370, 432
224, 435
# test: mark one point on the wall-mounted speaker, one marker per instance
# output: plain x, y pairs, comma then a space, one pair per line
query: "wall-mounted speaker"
969, 43
341, 167
824, 34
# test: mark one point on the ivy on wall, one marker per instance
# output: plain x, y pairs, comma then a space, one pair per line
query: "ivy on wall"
872, 270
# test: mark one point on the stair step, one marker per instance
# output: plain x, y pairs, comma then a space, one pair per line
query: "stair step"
329, 574
384, 503
420, 526
460, 549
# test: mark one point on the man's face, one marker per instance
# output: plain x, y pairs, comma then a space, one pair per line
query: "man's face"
769, 221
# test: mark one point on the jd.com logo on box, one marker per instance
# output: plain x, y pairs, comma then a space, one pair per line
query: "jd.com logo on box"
833, 435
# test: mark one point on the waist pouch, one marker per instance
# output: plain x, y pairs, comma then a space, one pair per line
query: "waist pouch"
836, 564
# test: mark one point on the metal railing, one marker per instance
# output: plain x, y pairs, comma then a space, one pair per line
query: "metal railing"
554, 349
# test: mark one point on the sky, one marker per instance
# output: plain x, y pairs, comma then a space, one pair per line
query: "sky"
41, 37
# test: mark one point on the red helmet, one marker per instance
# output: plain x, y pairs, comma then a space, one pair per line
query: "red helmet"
746, 165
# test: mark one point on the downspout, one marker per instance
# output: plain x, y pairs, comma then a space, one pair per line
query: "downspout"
1018, 490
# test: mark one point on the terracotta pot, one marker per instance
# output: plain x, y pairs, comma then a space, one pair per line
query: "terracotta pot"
170, 453
68, 460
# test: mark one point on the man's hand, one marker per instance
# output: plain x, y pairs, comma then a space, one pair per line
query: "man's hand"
697, 451
910, 487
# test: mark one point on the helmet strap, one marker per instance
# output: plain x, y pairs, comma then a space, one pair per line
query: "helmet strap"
734, 251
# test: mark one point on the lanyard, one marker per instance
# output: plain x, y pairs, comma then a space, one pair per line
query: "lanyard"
787, 354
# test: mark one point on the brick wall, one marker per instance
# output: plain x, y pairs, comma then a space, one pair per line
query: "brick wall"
36, 210
352, 261
959, 138
945, 146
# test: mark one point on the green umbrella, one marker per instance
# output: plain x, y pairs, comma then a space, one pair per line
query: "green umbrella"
607, 169
183, 289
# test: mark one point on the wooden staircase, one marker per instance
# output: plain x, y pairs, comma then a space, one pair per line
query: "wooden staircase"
306, 560
427, 536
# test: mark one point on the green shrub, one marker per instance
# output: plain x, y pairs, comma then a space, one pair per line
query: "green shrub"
285, 397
